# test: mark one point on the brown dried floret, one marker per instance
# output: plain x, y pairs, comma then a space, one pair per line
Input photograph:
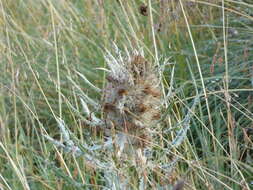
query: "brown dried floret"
122, 92
109, 106
143, 140
142, 108
150, 91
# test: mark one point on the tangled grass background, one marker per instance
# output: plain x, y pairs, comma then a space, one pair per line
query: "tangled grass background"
67, 123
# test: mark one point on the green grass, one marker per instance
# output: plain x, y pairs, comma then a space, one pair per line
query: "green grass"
43, 43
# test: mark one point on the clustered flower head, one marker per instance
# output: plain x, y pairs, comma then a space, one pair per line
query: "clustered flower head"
131, 98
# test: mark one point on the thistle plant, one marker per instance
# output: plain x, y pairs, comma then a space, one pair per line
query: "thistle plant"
130, 106
132, 98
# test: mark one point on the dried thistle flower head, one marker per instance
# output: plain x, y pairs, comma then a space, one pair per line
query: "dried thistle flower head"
131, 98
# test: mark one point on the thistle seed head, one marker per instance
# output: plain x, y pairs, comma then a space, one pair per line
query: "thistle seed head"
132, 97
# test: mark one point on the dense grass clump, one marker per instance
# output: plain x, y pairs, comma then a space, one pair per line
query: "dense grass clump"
53, 63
